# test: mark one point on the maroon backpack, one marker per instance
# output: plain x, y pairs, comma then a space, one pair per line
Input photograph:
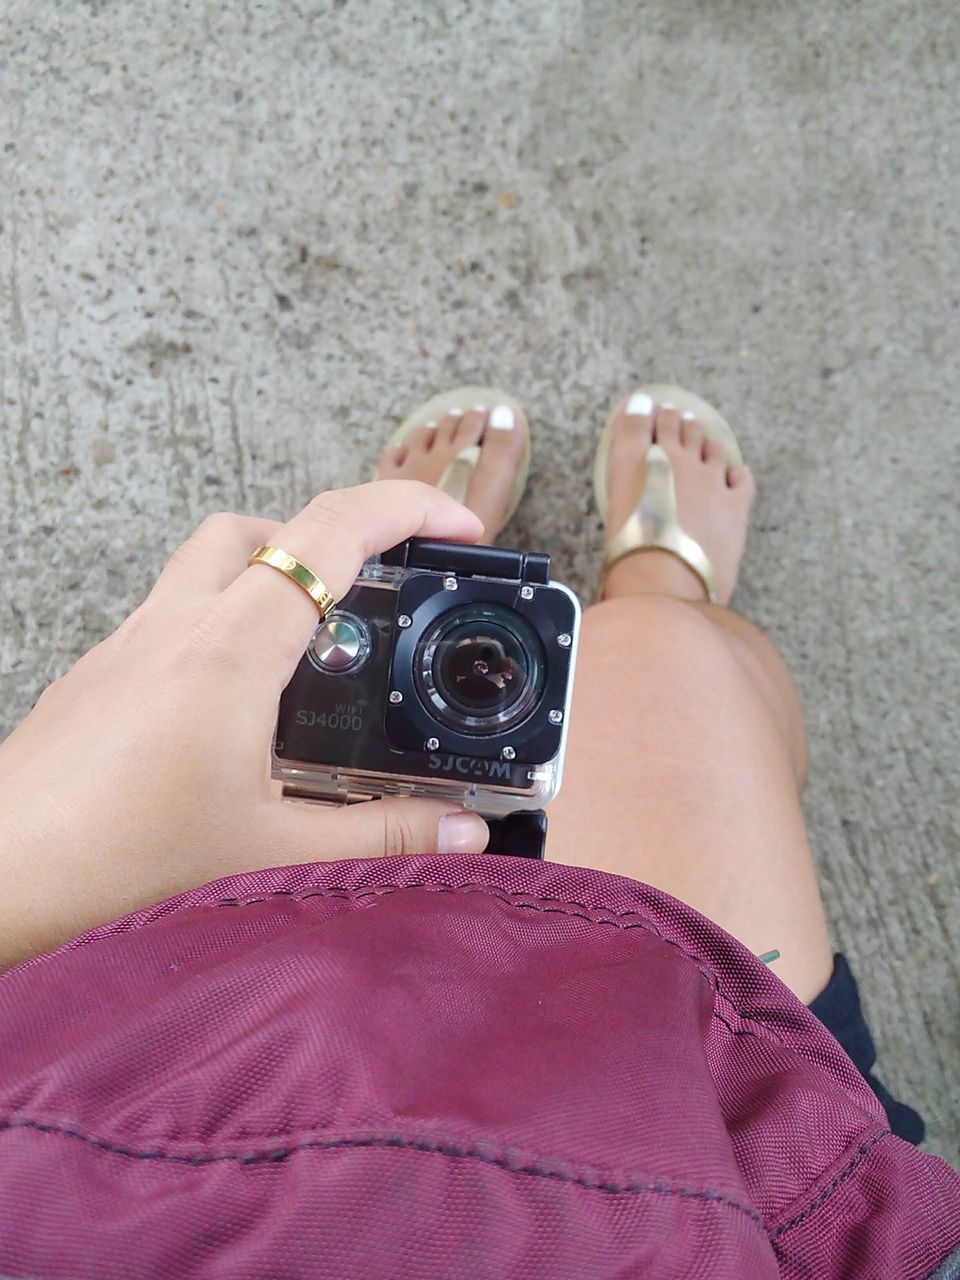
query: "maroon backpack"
440, 1066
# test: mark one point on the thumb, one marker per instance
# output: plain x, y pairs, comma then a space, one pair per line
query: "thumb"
374, 828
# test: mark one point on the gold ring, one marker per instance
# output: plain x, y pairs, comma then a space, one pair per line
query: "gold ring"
291, 567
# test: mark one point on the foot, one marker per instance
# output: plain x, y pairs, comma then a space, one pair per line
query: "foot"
501, 433
713, 501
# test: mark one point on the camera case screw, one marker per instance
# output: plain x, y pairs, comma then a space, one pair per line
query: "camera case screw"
564, 640
526, 593
404, 620
432, 744
508, 753
555, 717
396, 696
450, 584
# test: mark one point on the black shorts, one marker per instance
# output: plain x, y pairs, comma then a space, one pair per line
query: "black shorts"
838, 1008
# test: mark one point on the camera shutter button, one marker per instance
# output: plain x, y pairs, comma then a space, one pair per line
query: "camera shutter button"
338, 645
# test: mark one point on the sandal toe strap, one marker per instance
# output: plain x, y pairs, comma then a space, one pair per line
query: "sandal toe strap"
456, 478
654, 525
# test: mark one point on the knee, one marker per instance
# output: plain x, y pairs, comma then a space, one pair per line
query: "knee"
661, 633
689, 660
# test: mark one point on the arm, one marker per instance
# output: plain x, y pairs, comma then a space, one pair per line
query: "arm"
145, 769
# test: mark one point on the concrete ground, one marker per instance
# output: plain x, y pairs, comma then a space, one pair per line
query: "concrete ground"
240, 240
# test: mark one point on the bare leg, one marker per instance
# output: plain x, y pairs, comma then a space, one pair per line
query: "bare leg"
687, 753
687, 723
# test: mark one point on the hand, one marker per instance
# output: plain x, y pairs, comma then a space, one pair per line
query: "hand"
144, 770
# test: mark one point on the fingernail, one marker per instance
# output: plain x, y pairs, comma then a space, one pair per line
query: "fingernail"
461, 833
640, 405
502, 418
688, 415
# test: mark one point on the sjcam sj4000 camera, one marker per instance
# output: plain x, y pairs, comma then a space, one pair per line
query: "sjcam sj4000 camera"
446, 671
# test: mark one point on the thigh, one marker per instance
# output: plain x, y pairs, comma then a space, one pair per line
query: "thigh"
679, 774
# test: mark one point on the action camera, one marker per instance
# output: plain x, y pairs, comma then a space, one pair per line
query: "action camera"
446, 671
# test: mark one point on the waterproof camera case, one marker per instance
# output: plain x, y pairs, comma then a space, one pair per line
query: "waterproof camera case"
447, 672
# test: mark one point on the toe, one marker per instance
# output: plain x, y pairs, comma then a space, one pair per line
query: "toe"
632, 431
667, 425
639, 406
714, 453
501, 452
448, 427
391, 462
741, 479
470, 428
421, 440
630, 439
691, 432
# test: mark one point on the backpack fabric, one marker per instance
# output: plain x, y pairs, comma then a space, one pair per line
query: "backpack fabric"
441, 1066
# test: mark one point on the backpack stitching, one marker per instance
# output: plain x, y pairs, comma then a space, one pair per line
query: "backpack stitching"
455, 1150
846, 1172
530, 902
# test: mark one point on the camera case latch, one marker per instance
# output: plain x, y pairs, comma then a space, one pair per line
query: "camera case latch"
471, 561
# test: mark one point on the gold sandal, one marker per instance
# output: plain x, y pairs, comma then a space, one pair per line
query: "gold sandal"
654, 524
456, 478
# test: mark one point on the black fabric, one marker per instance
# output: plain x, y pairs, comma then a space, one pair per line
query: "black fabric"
838, 1008
521, 835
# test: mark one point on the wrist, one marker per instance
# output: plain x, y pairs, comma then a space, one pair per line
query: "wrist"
38, 908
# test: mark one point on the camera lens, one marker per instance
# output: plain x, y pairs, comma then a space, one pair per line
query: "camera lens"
480, 669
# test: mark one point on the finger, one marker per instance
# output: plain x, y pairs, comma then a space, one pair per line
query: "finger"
274, 619
371, 829
213, 556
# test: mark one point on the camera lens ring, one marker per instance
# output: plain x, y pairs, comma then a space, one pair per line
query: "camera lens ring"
480, 669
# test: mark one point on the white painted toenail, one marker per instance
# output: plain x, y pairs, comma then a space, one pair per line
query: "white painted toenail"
479, 408
431, 425
454, 413
640, 405
502, 418
688, 415
667, 404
